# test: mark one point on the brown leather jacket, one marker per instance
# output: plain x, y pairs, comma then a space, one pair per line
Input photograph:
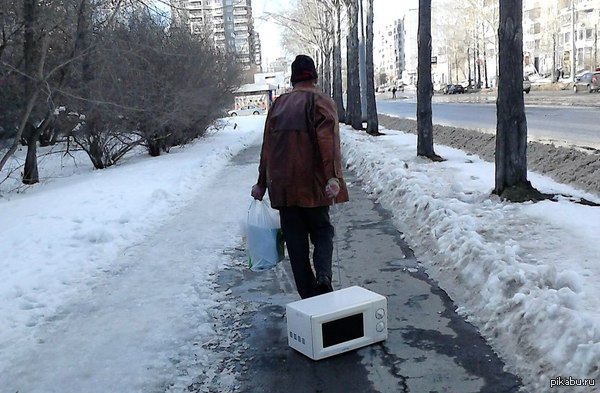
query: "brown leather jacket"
296, 159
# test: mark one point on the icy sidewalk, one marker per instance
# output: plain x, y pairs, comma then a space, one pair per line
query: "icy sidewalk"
429, 348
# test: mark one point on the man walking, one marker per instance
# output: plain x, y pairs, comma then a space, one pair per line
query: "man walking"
300, 166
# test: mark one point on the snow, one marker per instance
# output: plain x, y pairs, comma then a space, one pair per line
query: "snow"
108, 276
525, 274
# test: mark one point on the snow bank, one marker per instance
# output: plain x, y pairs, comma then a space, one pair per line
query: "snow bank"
538, 306
563, 164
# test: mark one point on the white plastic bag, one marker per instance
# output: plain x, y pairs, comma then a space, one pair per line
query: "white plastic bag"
264, 238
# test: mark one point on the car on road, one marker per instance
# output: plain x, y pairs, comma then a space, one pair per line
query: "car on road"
247, 110
590, 82
526, 84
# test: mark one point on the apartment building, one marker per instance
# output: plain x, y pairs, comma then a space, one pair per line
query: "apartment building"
229, 22
411, 50
389, 53
556, 35
559, 33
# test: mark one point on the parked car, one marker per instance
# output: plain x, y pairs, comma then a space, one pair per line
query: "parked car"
456, 89
526, 84
247, 110
590, 82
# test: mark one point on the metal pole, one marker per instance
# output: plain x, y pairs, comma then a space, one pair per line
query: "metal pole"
362, 63
573, 59
595, 46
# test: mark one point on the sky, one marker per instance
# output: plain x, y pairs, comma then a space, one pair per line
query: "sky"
385, 12
109, 275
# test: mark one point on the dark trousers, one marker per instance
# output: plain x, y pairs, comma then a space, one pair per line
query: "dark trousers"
299, 224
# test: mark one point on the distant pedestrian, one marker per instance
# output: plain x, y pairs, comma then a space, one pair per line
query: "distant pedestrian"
394, 92
300, 166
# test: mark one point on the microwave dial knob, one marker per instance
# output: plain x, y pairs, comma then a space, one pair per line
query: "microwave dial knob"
380, 326
380, 313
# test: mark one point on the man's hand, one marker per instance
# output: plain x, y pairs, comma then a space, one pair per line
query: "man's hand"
258, 192
332, 189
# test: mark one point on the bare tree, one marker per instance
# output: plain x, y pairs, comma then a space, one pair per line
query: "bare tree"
337, 62
353, 100
511, 132
129, 79
372, 120
424, 85
325, 18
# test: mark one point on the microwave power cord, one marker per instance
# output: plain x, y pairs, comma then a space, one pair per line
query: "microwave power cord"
334, 220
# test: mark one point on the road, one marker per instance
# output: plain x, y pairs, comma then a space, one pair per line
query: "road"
547, 119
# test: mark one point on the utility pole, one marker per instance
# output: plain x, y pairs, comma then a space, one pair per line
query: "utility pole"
485, 70
478, 61
362, 61
595, 46
573, 58
475, 53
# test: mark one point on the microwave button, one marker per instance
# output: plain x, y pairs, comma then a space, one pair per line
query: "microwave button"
380, 326
380, 313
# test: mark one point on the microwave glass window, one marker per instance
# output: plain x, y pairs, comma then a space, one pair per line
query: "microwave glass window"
342, 330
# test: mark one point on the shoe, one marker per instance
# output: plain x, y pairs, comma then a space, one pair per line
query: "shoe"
323, 284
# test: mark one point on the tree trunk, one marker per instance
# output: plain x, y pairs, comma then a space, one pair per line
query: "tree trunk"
327, 72
354, 112
554, 69
424, 85
30, 169
337, 65
82, 44
511, 131
372, 120
320, 58
30, 59
469, 65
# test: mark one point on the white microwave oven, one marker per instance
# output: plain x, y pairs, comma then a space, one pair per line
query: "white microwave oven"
336, 322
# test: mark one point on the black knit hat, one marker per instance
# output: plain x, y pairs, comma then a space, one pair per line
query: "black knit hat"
303, 69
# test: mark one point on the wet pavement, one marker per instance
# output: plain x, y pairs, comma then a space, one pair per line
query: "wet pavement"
430, 348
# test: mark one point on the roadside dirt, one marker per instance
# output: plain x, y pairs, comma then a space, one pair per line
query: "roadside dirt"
580, 169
